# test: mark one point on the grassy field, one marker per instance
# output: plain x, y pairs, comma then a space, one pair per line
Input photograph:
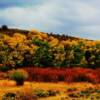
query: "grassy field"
10, 86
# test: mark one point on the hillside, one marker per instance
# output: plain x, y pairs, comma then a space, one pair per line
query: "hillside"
11, 31
34, 48
51, 64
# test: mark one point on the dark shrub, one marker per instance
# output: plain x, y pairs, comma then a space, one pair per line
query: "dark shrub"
19, 76
4, 68
24, 96
9, 96
41, 93
4, 27
52, 92
71, 89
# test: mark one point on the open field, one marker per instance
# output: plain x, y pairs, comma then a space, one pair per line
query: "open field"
64, 89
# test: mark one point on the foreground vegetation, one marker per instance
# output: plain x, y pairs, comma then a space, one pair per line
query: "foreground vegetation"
69, 75
50, 91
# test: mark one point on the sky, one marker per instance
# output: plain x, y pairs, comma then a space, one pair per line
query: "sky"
80, 18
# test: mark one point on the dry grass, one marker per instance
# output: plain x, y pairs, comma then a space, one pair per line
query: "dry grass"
10, 86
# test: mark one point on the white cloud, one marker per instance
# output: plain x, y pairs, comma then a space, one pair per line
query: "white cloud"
35, 15
79, 16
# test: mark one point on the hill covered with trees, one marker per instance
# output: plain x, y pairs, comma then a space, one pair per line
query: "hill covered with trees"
20, 48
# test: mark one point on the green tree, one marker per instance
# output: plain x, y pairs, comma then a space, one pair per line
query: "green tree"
43, 55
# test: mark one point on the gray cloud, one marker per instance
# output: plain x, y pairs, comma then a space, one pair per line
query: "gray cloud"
12, 3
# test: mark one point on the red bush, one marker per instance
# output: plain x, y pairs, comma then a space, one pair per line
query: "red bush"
65, 74
97, 72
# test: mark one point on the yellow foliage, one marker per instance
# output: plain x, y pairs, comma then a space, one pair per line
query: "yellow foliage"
34, 32
44, 35
34, 47
5, 37
19, 36
53, 41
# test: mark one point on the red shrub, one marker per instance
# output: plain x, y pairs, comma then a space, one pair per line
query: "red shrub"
67, 74
97, 72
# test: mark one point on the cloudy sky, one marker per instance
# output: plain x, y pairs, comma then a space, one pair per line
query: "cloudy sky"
74, 17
